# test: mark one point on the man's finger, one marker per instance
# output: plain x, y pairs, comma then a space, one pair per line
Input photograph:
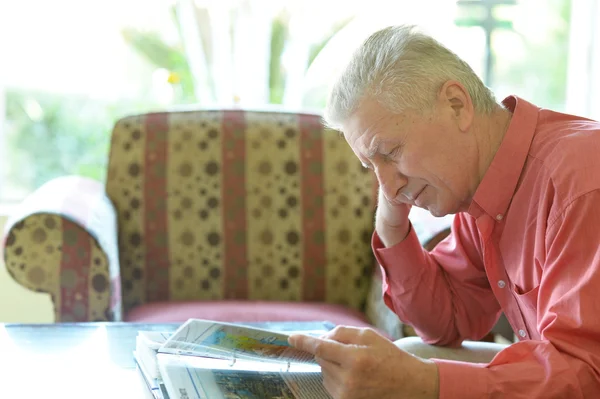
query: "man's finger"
345, 335
329, 368
332, 374
353, 335
324, 348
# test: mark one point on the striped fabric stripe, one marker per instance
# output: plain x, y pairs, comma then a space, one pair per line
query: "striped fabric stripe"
99, 302
233, 194
155, 208
313, 217
74, 272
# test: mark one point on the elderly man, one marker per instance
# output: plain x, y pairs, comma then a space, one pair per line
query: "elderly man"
524, 185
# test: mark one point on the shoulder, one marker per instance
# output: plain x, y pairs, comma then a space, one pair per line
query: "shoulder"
562, 137
566, 151
563, 163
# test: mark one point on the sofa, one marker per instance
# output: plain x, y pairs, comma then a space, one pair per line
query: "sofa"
228, 215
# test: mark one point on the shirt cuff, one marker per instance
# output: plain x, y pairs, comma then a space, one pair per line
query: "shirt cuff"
462, 380
409, 251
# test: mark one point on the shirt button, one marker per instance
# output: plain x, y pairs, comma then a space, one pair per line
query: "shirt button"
499, 216
522, 333
501, 284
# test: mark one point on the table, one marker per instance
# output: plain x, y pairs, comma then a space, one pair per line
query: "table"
85, 360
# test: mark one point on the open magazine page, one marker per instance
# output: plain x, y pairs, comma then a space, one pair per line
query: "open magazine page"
229, 341
196, 378
147, 345
156, 386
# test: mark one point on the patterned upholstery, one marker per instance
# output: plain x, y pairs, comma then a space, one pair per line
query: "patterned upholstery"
209, 205
239, 205
62, 241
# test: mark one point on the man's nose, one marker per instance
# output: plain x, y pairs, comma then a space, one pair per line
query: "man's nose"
390, 180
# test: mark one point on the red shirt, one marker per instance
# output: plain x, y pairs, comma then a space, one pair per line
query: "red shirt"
529, 246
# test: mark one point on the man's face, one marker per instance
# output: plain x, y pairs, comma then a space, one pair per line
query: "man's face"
422, 160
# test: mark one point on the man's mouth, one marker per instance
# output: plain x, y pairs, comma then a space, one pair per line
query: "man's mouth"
419, 193
413, 198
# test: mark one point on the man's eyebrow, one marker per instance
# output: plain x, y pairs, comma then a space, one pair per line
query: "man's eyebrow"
372, 150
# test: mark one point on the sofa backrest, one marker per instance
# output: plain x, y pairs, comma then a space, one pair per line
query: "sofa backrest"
239, 205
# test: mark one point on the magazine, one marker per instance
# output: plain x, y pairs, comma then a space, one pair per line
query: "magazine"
208, 359
146, 350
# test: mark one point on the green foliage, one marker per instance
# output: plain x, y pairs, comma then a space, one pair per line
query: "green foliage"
556, 55
52, 135
279, 35
317, 47
542, 73
154, 50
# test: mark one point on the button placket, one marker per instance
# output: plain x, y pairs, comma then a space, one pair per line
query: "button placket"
485, 226
497, 273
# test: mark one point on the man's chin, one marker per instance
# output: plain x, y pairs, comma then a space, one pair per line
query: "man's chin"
437, 214
436, 211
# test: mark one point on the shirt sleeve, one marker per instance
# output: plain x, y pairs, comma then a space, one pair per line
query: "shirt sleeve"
445, 294
565, 363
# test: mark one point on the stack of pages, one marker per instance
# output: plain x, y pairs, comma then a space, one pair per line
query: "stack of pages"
212, 360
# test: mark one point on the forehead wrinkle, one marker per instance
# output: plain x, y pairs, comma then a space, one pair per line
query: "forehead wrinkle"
371, 149
366, 137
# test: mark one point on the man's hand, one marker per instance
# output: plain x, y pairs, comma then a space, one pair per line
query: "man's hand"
391, 221
358, 363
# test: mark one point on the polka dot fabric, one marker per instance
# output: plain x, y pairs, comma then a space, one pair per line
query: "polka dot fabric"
199, 206
61, 241
239, 205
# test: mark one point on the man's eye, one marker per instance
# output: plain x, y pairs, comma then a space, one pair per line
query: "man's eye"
392, 152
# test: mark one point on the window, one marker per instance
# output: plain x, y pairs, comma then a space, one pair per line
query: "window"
516, 55
70, 68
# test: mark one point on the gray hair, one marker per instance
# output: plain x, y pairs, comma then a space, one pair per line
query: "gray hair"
402, 69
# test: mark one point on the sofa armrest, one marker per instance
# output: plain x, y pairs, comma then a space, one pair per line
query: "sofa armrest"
382, 317
62, 240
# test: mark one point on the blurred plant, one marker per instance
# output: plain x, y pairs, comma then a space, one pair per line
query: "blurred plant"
279, 35
53, 135
539, 71
161, 55
175, 59
316, 48
547, 61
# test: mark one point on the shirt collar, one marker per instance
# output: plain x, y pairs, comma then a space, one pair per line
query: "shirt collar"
496, 189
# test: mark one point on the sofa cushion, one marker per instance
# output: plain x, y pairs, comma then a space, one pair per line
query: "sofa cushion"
246, 311
240, 205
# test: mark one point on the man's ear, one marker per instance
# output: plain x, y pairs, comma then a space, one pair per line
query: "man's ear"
453, 96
